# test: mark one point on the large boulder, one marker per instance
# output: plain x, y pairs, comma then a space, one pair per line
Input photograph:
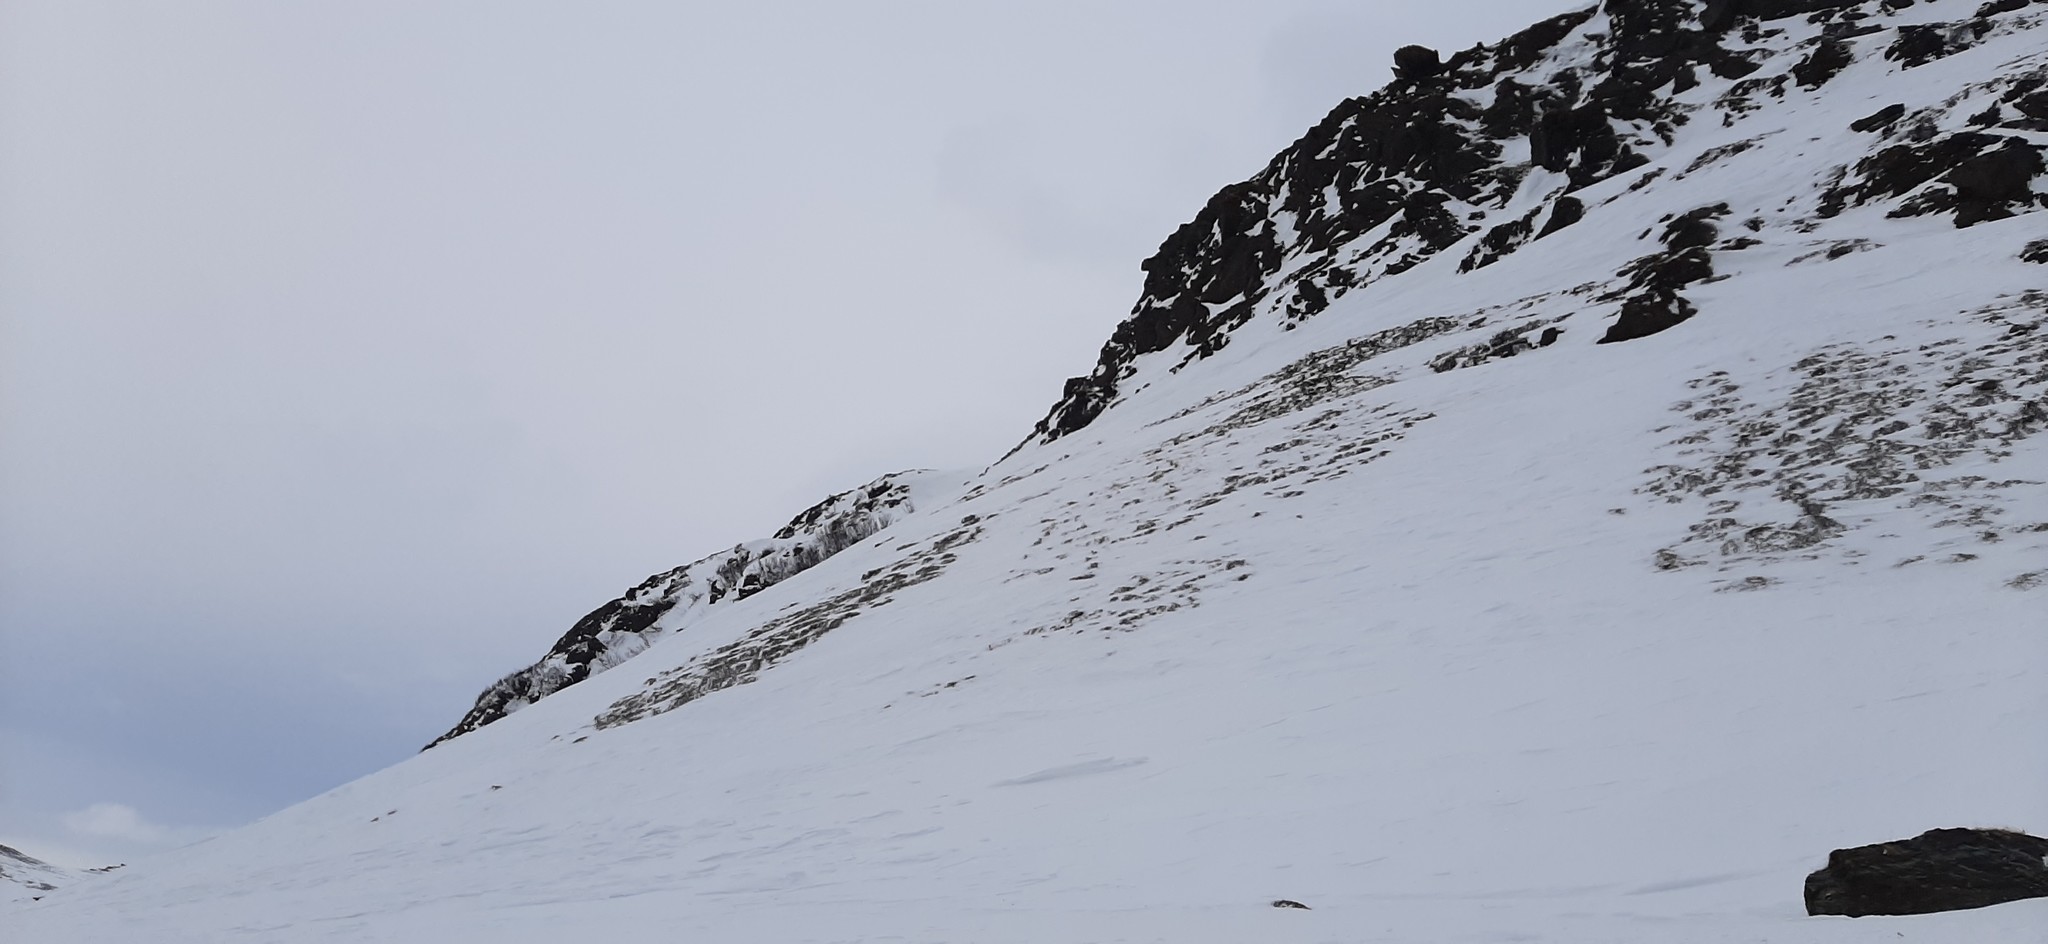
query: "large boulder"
1417, 62
1938, 870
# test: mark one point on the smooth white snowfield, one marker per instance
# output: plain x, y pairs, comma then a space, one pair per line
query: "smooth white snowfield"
1390, 642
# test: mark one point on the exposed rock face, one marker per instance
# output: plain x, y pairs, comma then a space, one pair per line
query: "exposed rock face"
1976, 177
1417, 62
1881, 118
1404, 167
1478, 153
668, 601
1504, 239
1938, 870
1650, 302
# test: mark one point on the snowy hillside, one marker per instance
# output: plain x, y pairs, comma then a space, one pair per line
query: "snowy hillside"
1497, 141
669, 601
24, 876
1396, 593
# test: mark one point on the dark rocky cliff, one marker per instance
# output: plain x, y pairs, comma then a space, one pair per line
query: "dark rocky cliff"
1390, 180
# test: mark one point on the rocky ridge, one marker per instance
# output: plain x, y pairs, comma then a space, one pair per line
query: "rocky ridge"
1485, 152
670, 601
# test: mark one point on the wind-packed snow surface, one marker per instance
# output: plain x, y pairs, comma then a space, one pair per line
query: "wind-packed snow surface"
1422, 608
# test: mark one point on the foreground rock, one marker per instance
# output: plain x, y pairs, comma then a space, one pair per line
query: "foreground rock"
1938, 870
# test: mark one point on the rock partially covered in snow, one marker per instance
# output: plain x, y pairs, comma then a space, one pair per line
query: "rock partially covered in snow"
1938, 870
666, 602
25, 876
1470, 153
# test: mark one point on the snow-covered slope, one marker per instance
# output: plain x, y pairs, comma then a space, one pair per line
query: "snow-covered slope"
1496, 142
25, 876
670, 601
1424, 608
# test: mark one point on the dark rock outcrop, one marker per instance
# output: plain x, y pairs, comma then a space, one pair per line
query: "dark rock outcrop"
1881, 118
1435, 159
1976, 176
1417, 62
1411, 161
1938, 870
2028, 97
1565, 212
1651, 303
1414, 162
1827, 59
1721, 14
1504, 239
1401, 159
1500, 241
1920, 44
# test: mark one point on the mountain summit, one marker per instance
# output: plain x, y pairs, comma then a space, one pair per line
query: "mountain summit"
1485, 152
1562, 497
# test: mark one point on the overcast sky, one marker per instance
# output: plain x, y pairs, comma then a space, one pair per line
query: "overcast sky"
351, 351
